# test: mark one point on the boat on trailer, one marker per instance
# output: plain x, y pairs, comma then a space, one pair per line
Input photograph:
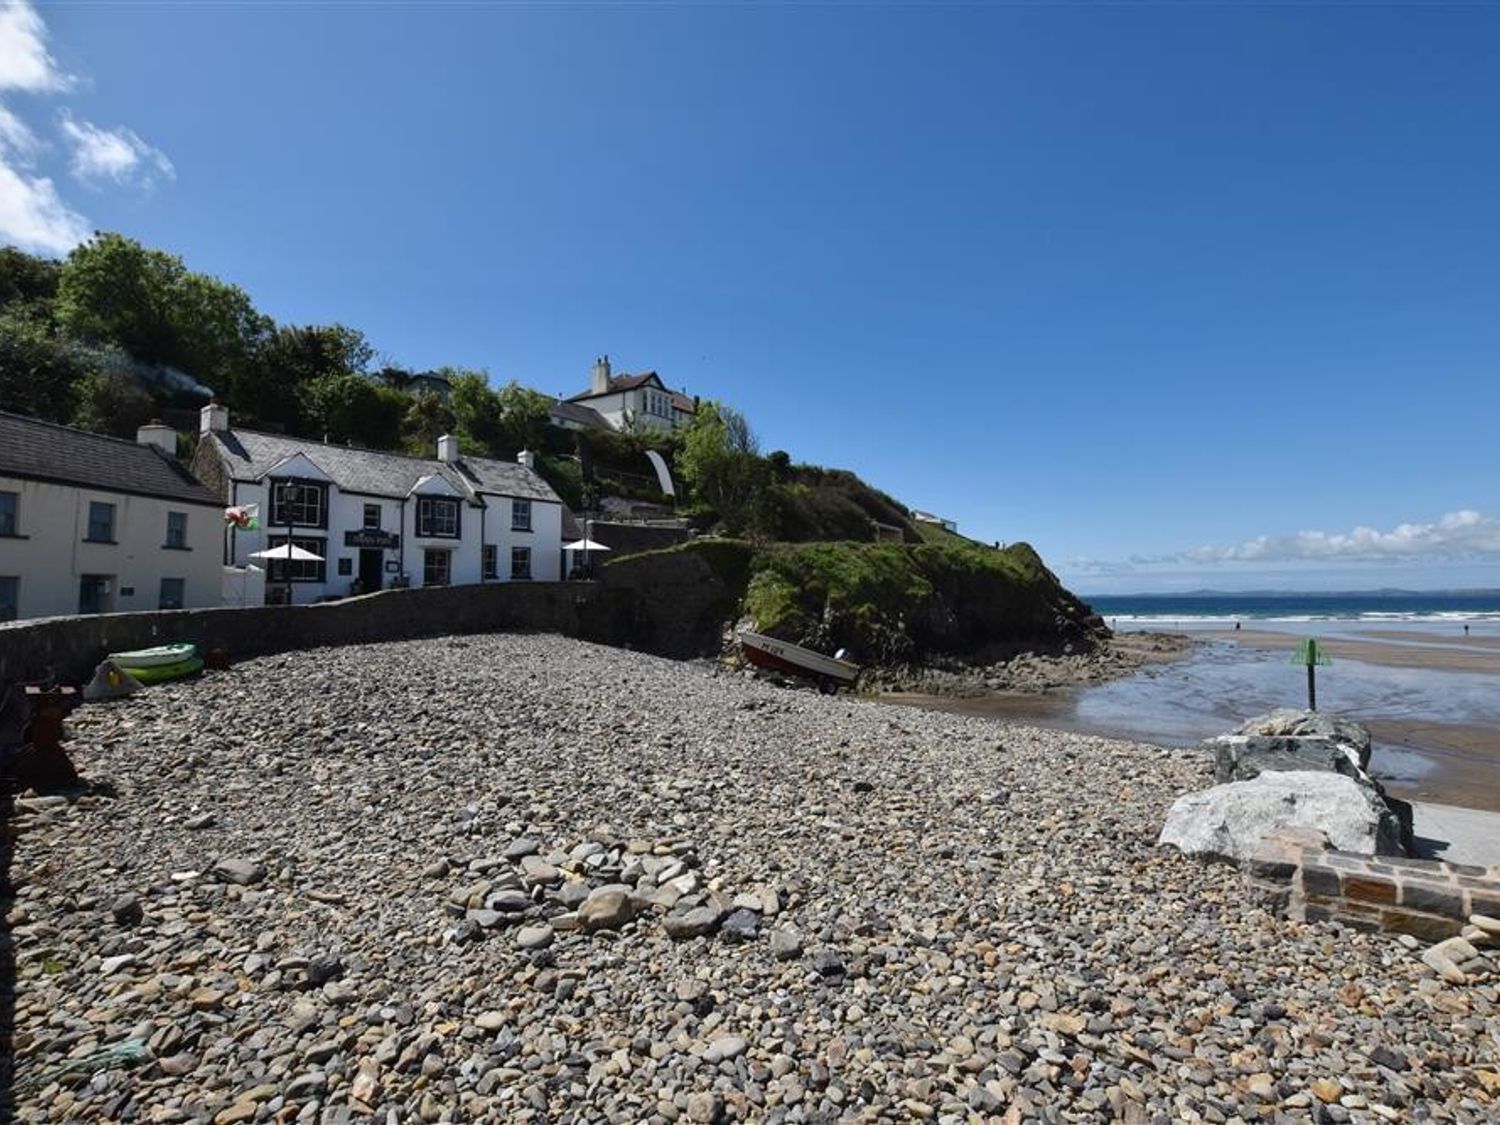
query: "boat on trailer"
829, 672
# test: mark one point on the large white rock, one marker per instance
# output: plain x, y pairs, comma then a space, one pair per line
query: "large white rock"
1228, 821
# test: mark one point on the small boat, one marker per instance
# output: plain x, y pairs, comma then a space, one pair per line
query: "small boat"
160, 673
829, 672
156, 657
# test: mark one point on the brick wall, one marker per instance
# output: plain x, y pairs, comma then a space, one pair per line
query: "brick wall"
1298, 874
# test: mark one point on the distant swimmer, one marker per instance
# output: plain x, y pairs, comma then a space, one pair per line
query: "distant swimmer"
1236, 626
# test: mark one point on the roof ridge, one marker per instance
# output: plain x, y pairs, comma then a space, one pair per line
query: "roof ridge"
331, 445
131, 442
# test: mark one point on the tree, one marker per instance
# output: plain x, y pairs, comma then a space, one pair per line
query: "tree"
37, 369
27, 280
477, 413
111, 402
427, 418
527, 418
354, 408
113, 291
718, 462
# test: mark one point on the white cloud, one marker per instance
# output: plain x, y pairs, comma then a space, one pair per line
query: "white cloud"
25, 62
1461, 534
112, 154
16, 139
33, 216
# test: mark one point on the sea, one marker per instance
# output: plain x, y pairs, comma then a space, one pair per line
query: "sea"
1212, 609
1220, 683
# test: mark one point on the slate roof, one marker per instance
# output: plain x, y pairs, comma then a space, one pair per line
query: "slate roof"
35, 450
618, 383
578, 414
249, 455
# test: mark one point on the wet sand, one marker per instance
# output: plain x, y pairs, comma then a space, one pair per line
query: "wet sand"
1421, 753
1375, 647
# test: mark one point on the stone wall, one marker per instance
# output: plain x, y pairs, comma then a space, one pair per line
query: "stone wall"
68, 648
632, 538
1307, 880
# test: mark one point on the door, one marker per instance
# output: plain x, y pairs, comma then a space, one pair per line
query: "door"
94, 593
371, 569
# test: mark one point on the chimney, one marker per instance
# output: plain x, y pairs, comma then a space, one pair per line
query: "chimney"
527, 458
159, 436
600, 383
448, 449
213, 418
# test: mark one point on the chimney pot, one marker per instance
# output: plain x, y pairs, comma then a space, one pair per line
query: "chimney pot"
158, 436
213, 418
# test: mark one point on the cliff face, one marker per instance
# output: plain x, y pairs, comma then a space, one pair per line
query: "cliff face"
888, 603
884, 602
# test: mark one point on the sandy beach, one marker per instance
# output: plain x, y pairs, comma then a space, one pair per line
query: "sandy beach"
522, 878
1388, 647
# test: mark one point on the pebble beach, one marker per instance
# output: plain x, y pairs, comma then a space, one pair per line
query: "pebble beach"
522, 878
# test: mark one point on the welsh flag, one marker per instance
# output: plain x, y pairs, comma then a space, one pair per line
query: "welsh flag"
244, 518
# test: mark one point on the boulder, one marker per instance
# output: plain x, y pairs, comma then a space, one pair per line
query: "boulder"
1294, 722
1241, 757
1229, 821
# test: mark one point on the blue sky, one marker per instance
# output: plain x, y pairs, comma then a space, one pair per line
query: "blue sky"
1184, 295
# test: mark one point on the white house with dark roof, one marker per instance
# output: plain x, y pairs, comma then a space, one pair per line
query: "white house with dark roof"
378, 519
630, 401
96, 524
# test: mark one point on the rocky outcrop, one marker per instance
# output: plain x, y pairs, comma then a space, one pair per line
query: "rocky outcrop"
1289, 739
1229, 821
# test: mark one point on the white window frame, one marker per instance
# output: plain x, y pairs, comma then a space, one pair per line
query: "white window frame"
520, 574
428, 509
428, 555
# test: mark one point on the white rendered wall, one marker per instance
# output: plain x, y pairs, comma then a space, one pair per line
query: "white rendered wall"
49, 554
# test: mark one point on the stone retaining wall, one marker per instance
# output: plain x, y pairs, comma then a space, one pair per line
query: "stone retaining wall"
68, 648
1300, 875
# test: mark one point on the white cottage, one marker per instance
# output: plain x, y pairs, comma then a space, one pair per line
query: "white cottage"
96, 524
624, 402
378, 519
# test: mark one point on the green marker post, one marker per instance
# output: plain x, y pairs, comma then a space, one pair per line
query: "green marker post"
1310, 654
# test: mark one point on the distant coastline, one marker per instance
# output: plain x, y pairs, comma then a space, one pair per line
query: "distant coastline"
1136, 610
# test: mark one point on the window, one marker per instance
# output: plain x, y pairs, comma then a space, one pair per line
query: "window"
9, 502
101, 522
296, 504
520, 515
299, 570
491, 562
372, 517
177, 530
435, 568
10, 597
520, 562
437, 518
171, 593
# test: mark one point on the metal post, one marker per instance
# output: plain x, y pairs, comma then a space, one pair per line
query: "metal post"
1312, 676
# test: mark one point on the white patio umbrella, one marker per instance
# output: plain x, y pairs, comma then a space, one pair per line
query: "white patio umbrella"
288, 551
584, 545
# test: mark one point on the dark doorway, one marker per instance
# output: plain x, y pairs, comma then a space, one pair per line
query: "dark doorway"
94, 594
371, 569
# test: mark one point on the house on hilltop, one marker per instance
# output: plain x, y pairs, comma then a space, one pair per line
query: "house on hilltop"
631, 401
96, 524
375, 519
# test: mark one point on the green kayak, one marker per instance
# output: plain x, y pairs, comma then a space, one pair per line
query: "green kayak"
159, 656
158, 673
